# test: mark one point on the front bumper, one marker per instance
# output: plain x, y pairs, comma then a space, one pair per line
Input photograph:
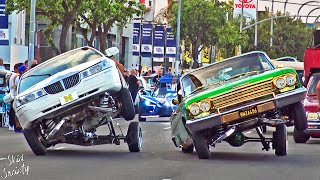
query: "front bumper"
50, 106
281, 100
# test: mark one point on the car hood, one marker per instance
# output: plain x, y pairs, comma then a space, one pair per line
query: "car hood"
226, 86
63, 74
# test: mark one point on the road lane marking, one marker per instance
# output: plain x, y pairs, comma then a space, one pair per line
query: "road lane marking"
167, 128
59, 148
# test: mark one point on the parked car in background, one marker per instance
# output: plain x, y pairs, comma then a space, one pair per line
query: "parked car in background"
65, 99
313, 116
158, 103
287, 58
219, 102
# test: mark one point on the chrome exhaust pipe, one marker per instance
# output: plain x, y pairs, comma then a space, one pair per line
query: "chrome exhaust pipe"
223, 136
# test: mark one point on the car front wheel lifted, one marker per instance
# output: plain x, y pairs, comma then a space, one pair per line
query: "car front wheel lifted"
34, 142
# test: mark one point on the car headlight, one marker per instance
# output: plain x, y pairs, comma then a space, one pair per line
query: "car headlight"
205, 106
291, 80
280, 83
22, 100
194, 109
105, 64
311, 115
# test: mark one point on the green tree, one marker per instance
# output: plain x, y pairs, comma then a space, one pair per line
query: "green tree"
229, 37
204, 23
59, 12
99, 16
290, 37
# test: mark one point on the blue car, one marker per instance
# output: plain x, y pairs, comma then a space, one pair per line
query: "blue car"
158, 103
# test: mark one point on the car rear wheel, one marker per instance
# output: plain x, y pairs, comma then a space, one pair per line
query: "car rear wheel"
280, 140
188, 149
300, 136
134, 137
201, 146
127, 110
298, 114
34, 141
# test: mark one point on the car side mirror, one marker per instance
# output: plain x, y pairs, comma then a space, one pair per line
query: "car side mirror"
175, 101
112, 51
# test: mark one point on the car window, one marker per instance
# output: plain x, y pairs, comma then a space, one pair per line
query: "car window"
226, 70
312, 86
57, 64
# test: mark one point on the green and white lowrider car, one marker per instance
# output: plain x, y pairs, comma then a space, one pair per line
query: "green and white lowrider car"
220, 101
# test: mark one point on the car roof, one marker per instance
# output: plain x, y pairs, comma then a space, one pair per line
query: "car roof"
290, 64
230, 58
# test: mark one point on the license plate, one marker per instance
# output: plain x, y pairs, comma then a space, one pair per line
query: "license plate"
248, 112
68, 98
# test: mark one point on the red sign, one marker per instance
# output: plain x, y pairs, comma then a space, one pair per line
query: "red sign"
245, 4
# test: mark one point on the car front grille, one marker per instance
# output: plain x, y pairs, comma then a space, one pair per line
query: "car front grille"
62, 85
243, 95
71, 81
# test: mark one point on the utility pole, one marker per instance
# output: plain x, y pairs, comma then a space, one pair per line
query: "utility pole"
241, 24
177, 60
32, 31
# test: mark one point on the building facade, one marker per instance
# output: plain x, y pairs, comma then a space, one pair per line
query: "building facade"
13, 44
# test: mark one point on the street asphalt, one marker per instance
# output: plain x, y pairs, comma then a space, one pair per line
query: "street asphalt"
158, 160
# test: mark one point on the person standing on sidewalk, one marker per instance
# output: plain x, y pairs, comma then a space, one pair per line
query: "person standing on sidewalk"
12, 90
1, 64
134, 84
22, 69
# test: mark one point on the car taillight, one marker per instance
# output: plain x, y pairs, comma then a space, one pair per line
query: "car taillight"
311, 108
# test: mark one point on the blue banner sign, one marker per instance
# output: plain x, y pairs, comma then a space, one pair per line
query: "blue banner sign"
158, 42
136, 39
171, 44
4, 28
146, 41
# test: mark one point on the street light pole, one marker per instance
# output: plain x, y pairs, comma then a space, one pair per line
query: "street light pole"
241, 24
32, 31
178, 39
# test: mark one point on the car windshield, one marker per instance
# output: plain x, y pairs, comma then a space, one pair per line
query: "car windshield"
312, 85
165, 89
57, 64
223, 71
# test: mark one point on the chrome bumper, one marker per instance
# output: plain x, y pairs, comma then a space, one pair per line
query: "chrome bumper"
281, 100
313, 130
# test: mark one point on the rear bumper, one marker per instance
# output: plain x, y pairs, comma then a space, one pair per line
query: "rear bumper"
313, 128
230, 116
